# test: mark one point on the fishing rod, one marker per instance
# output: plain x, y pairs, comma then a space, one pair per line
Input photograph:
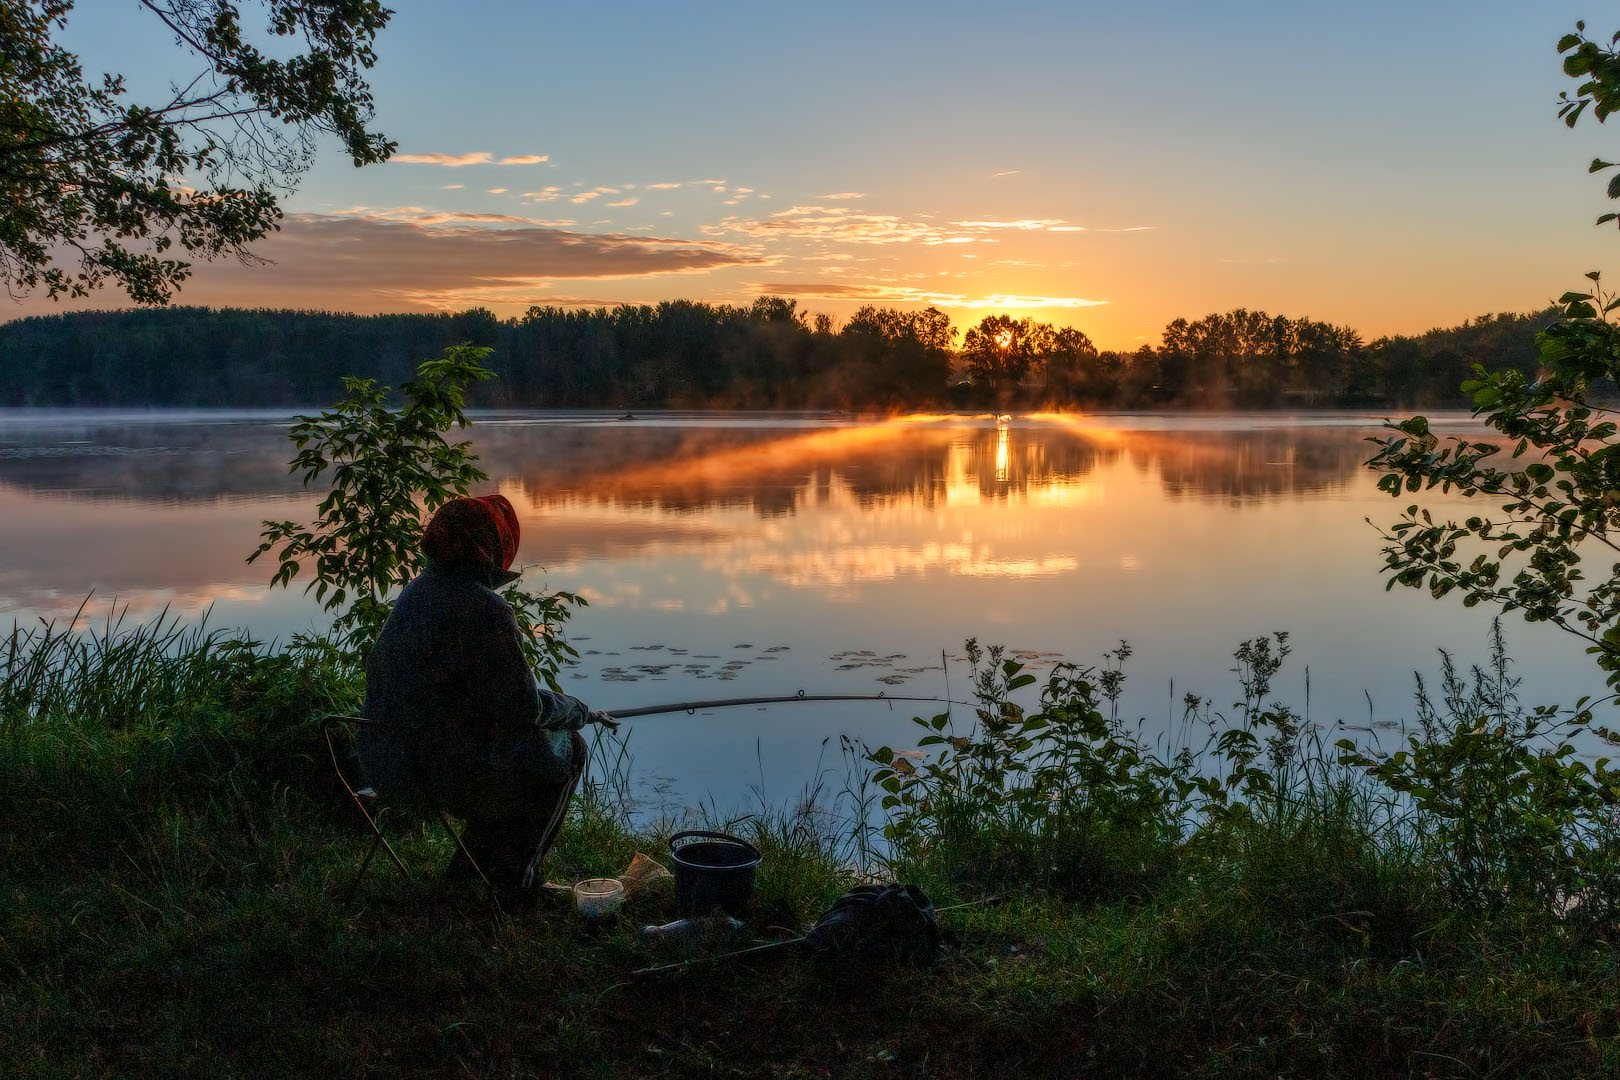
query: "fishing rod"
720, 703
699, 961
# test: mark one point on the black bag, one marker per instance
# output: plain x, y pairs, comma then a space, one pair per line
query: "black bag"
890, 922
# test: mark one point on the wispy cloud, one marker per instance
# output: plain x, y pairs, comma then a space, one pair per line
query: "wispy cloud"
1015, 300
449, 161
837, 223
1005, 172
886, 293
453, 187
837, 195
478, 157
664, 186
496, 191
624, 202
418, 215
1021, 224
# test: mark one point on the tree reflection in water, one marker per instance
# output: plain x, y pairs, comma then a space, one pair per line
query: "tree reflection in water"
699, 462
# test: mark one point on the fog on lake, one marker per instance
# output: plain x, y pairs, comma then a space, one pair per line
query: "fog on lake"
727, 555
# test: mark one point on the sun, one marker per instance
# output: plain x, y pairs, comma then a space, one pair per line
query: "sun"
1004, 339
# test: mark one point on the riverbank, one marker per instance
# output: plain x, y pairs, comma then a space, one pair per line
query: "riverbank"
173, 849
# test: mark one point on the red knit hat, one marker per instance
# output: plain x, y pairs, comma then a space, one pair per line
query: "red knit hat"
472, 534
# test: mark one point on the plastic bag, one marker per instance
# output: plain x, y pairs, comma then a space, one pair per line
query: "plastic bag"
643, 872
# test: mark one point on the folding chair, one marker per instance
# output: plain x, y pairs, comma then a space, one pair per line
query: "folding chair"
362, 796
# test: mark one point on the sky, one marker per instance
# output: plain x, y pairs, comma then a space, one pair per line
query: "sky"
1387, 166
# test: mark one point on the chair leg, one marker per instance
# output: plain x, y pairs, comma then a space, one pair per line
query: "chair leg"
354, 886
455, 838
378, 839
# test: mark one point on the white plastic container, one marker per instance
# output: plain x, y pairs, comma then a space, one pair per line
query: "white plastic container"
598, 897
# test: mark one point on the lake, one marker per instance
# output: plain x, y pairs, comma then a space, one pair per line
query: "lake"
729, 555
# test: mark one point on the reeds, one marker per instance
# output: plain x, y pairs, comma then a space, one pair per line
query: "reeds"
112, 675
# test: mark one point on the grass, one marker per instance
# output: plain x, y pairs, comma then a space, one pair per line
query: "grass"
173, 847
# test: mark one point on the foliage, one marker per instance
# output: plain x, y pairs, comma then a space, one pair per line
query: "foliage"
1253, 358
1500, 795
1001, 351
686, 354
1493, 799
1558, 492
186, 863
1599, 68
898, 357
390, 469
202, 170
1062, 795
1555, 491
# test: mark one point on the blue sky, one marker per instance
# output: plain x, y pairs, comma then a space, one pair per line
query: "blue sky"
1387, 166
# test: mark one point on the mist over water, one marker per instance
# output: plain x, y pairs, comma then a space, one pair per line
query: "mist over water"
733, 555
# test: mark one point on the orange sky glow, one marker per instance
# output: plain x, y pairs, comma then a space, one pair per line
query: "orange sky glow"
1341, 166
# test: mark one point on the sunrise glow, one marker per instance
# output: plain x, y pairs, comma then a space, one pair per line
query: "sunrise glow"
1037, 200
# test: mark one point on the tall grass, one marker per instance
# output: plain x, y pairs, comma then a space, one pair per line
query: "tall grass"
1492, 805
1251, 901
111, 675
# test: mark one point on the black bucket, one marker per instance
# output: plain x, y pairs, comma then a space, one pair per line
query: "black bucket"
712, 870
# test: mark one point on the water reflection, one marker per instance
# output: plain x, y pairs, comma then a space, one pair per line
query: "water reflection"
766, 552
694, 465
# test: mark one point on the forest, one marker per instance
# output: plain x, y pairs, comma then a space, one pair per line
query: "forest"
771, 354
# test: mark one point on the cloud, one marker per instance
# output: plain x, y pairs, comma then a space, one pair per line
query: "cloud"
838, 223
883, 293
1021, 224
453, 187
449, 161
1066, 228
624, 202
585, 196
843, 195
664, 187
497, 191
1005, 172
478, 157
1014, 300
408, 259
416, 215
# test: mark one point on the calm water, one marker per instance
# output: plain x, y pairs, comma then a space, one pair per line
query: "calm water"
727, 556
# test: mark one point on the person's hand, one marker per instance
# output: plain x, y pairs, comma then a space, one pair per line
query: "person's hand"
605, 719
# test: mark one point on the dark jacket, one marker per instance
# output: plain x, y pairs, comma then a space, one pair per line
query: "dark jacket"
461, 710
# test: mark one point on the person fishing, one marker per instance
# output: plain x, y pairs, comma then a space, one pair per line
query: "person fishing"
463, 724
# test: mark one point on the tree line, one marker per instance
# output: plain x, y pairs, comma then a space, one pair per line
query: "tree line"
768, 355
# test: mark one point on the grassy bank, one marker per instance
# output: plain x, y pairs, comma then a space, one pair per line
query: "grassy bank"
173, 848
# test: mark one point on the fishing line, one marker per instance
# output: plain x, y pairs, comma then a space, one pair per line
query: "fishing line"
720, 703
